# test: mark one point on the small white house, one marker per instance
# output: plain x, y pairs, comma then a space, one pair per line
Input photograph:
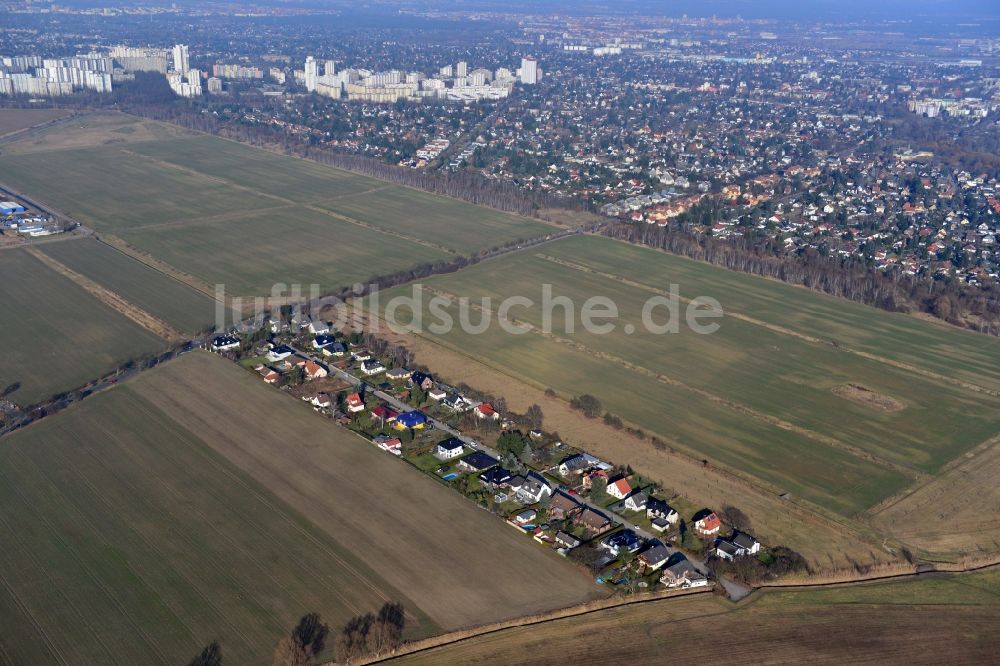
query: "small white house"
738, 545
372, 367
449, 448
534, 489
636, 501
619, 489
319, 327
225, 343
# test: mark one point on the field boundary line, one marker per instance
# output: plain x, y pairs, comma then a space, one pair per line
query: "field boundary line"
274, 150
337, 197
724, 402
568, 613
970, 457
133, 312
160, 266
211, 219
803, 509
371, 227
930, 374
108, 591
218, 180
286, 510
313, 206
15, 135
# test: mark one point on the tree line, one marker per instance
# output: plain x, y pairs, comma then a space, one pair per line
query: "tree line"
367, 635
976, 308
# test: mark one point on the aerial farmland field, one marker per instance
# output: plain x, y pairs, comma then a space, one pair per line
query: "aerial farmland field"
127, 191
218, 209
55, 335
901, 622
13, 120
842, 426
293, 245
423, 538
787, 460
928, 345
178, 305
183, 519
130, 540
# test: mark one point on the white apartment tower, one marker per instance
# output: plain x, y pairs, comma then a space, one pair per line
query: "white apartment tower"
181, 59
529, 70
462, 69
312, 73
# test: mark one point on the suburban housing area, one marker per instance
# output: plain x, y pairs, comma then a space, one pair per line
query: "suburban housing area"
458, 332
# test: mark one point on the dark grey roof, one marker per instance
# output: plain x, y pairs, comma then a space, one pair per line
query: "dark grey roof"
478, 460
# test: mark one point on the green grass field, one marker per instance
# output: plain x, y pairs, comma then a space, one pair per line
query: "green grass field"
129, 540
56, 336
294, 245
927, 344
450, 223
790, 462
127, 191
229, 213
178, 305
759, 400
300, 180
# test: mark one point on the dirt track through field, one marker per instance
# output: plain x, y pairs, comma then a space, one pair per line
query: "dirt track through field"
670, 381
380, 230
111, 299
779, 329
161, 266
781, 520
422, 537
289, 202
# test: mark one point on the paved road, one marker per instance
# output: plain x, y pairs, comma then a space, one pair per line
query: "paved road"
736, 590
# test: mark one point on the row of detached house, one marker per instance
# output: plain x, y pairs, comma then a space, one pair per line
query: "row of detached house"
658, 512
528, 490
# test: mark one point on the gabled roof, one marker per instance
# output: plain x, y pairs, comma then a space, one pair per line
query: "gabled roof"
495, 476
575, 462
639, 497
384, 412
743, 540
592, 518
655, 554
419, 377
563, 502
708, 521
622, 485
657, 505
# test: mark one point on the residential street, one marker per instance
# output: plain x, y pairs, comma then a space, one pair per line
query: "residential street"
735, 590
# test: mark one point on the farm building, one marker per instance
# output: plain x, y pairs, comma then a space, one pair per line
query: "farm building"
11, 208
